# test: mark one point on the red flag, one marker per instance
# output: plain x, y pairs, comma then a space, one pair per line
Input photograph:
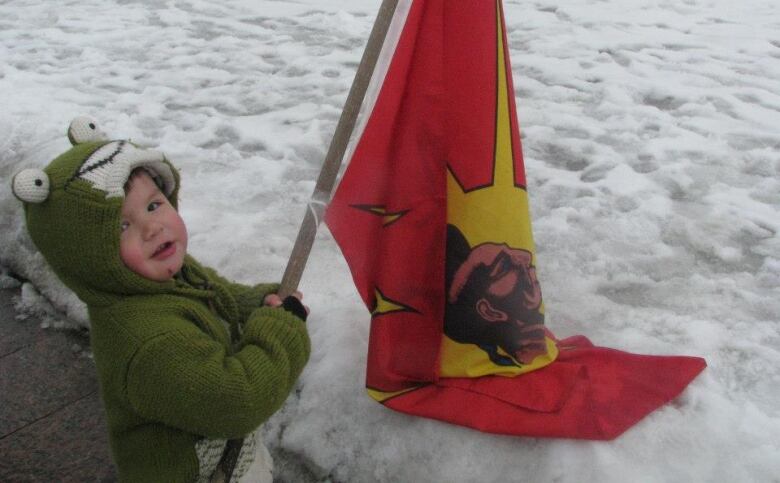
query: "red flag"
432, 216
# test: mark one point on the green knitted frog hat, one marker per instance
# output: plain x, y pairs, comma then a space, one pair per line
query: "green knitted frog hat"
73, 211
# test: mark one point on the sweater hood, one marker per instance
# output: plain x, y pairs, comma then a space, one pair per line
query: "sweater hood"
73, 212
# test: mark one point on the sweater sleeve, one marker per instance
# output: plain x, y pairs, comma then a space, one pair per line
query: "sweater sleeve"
185, 379
248, 297
251, 298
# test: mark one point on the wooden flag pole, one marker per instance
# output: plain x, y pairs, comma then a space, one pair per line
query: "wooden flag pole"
322, 191
338, 146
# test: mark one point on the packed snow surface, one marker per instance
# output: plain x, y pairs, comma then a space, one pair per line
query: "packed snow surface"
651, 140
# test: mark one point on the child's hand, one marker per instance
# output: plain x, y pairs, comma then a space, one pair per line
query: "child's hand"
291, 303
272, 300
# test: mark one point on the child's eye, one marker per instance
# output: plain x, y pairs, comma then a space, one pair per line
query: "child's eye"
125, 225
153, 206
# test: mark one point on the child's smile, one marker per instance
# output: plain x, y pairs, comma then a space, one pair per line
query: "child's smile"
154, 239
164, 251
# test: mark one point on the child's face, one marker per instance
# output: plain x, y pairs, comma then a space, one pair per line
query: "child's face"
154, 239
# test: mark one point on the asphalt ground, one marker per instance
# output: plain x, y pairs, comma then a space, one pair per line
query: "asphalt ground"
52, 424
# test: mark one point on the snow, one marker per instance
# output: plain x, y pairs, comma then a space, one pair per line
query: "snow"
651, 143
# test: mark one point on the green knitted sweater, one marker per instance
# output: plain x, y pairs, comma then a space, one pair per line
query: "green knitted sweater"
169, 374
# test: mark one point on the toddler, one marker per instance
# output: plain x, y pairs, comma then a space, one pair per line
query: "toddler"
186, 359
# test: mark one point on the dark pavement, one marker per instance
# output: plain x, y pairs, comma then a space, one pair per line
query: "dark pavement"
52, 425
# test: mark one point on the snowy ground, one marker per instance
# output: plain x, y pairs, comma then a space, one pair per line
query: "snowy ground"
651, 140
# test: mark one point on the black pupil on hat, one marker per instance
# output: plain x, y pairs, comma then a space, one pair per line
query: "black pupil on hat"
91, 125
38, 182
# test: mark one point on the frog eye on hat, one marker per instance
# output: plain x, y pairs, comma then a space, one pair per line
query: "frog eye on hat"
31, 185
84, 129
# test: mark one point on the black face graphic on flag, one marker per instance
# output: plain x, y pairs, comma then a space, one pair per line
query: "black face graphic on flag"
493, 300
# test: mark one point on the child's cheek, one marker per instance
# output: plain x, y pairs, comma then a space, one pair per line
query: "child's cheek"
130, 252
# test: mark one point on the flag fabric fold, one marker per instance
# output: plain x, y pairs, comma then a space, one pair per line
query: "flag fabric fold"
432, 217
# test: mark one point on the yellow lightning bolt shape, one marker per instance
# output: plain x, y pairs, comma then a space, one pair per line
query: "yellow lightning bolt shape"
387, 217
385, 305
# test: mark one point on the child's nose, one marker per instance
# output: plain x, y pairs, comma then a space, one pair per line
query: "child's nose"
151, 229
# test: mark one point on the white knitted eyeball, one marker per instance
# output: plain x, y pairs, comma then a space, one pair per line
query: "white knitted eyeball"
31, 185
83, 130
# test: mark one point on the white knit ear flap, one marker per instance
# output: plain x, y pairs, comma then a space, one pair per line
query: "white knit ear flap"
84, 130
31, 185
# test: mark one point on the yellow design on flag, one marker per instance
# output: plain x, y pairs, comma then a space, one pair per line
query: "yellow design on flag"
381, 396
381, 211
497, 214
386, 306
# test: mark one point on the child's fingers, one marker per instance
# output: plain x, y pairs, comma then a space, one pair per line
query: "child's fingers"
273, 300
